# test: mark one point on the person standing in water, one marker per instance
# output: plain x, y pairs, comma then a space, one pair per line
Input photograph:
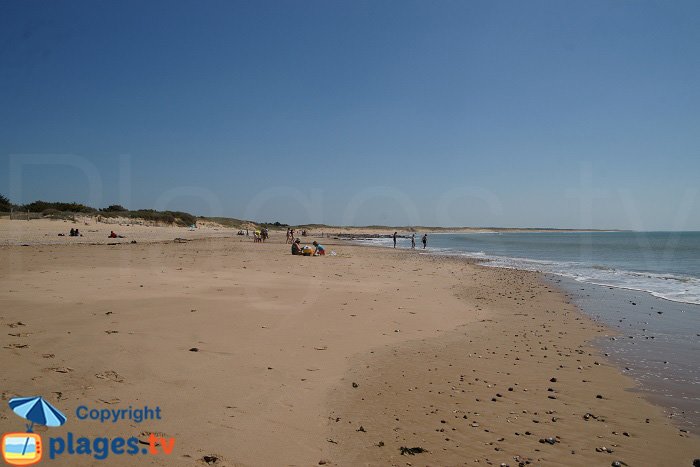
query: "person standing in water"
413, 241
394, 239
425, 240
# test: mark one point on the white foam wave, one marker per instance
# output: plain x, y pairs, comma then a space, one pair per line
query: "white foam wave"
677, 288
672, 287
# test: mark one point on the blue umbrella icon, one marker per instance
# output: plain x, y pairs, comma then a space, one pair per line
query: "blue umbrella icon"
36, 410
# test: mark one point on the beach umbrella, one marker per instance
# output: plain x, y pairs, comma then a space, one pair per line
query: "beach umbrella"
36, 410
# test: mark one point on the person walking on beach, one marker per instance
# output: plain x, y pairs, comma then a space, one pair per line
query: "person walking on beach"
425, 240
413, 241
394, 239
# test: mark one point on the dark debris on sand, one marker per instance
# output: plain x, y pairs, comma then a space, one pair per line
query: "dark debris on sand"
411, 451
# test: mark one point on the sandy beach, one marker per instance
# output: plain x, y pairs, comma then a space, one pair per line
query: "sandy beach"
257, 357
55, 231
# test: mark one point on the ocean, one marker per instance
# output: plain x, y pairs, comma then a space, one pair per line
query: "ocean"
645, 286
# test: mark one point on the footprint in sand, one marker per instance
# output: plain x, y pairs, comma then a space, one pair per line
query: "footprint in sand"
111, 376
110, 401
61, 369
16, 346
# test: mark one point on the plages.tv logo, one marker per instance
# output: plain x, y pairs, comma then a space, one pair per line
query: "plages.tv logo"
26, 448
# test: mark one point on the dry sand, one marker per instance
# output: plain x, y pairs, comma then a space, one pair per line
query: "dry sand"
448, 356
46, 231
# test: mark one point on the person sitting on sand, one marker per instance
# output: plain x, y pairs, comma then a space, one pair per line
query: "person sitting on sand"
72, 233
112, 234
319, 250
77, 233
296, 247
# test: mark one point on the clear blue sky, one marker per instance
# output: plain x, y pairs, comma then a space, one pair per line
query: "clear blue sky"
507, 113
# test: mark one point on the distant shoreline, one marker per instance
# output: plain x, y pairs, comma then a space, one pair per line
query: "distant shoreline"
405, 234
448, 230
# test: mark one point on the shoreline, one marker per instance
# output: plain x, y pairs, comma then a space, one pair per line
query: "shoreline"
280, 339
494, 259
652, 345
673, 398
490, 423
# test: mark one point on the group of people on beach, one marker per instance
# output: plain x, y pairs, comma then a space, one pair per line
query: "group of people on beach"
290, 235
413, 240
76, 233
261, 235
316, 250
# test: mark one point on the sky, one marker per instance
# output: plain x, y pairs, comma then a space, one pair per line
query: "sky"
452, 113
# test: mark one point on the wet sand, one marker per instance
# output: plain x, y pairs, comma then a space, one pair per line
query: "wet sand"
655, 341
251, 354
